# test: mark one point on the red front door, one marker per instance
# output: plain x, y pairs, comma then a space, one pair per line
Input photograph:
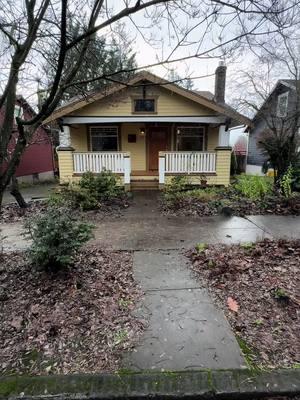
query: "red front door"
157, 141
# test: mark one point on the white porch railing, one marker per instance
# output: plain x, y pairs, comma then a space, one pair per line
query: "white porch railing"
116, 162
179, 162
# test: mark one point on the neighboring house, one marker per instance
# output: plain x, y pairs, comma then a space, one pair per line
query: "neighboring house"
279, 107
37, 162
239, 142
148, 131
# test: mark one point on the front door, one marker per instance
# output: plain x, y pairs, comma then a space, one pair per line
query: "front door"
157, 141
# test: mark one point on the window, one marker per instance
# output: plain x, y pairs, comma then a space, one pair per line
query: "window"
282, 104
144, 105
104, 138
190, 138
18, 111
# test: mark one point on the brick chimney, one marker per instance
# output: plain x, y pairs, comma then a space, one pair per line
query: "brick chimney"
220, 82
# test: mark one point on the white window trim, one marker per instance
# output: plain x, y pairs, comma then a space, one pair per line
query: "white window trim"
191, 127
104, 126
282, 95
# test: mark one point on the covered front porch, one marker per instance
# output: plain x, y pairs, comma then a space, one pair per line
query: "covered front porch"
145, 153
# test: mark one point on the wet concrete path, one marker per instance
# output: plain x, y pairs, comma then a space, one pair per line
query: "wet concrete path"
143, 227
186, 330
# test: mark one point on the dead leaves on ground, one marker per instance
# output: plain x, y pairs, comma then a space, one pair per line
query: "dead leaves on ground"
77, 321
232, 304
257, 286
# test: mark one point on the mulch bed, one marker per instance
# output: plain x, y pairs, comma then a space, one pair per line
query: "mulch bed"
257, 286
230, 203
78, 320
13, 213
113, 208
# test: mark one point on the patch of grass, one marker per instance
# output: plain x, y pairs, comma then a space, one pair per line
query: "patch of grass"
296, 366
247, 245
200, 247
280, 294
124, 303
120, 337
258, 322
211, 263
248, 353
254, 187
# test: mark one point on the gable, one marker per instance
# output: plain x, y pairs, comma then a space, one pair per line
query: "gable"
121, 104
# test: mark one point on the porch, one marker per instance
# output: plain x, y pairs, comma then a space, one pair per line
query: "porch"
146, 155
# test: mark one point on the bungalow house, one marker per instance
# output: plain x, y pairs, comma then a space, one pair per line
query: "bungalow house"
147, 131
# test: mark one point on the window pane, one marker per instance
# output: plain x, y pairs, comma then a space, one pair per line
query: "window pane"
104, 143
190, 138
144, 105
190, 143
104, 138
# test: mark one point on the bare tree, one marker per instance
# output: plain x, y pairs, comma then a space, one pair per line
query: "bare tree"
31, 28
270, 90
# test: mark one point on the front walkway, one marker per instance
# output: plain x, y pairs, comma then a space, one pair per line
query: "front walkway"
186, 331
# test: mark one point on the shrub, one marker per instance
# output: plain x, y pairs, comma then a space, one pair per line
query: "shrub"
205, 195
286, 183
56, 236
88, 193
103, 186
254, 187
178, 183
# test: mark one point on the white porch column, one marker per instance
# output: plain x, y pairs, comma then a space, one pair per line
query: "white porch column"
223, 137
65, 137
161, 169
127, 169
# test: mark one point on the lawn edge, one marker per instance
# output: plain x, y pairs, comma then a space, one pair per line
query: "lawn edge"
229, 384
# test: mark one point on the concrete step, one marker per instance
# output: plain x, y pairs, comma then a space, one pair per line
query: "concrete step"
144, 185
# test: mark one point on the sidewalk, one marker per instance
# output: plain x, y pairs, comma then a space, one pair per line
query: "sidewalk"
186, 331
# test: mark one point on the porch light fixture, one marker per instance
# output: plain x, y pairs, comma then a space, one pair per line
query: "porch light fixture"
142, 132
178, 131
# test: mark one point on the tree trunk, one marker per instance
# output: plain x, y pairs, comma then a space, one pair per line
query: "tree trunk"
17, 194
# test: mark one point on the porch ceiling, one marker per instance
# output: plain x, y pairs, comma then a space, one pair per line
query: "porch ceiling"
141, 119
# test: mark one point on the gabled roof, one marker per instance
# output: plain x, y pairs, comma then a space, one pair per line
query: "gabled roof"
203, 98
288, 83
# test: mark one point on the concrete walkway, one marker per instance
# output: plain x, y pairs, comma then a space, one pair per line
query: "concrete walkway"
186, 331
31, 192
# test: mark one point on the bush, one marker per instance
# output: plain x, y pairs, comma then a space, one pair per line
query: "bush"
56, 236
254, 187
286, 183
88, 193
179, 183
102, 186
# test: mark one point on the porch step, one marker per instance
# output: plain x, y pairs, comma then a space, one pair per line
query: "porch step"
144, 185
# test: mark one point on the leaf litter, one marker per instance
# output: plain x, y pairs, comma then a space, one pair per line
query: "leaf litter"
77, 321
258, 288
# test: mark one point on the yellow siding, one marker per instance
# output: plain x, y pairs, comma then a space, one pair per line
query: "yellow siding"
120, 104
79, 137
65, 162
223, 167
137, 150
212, 138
